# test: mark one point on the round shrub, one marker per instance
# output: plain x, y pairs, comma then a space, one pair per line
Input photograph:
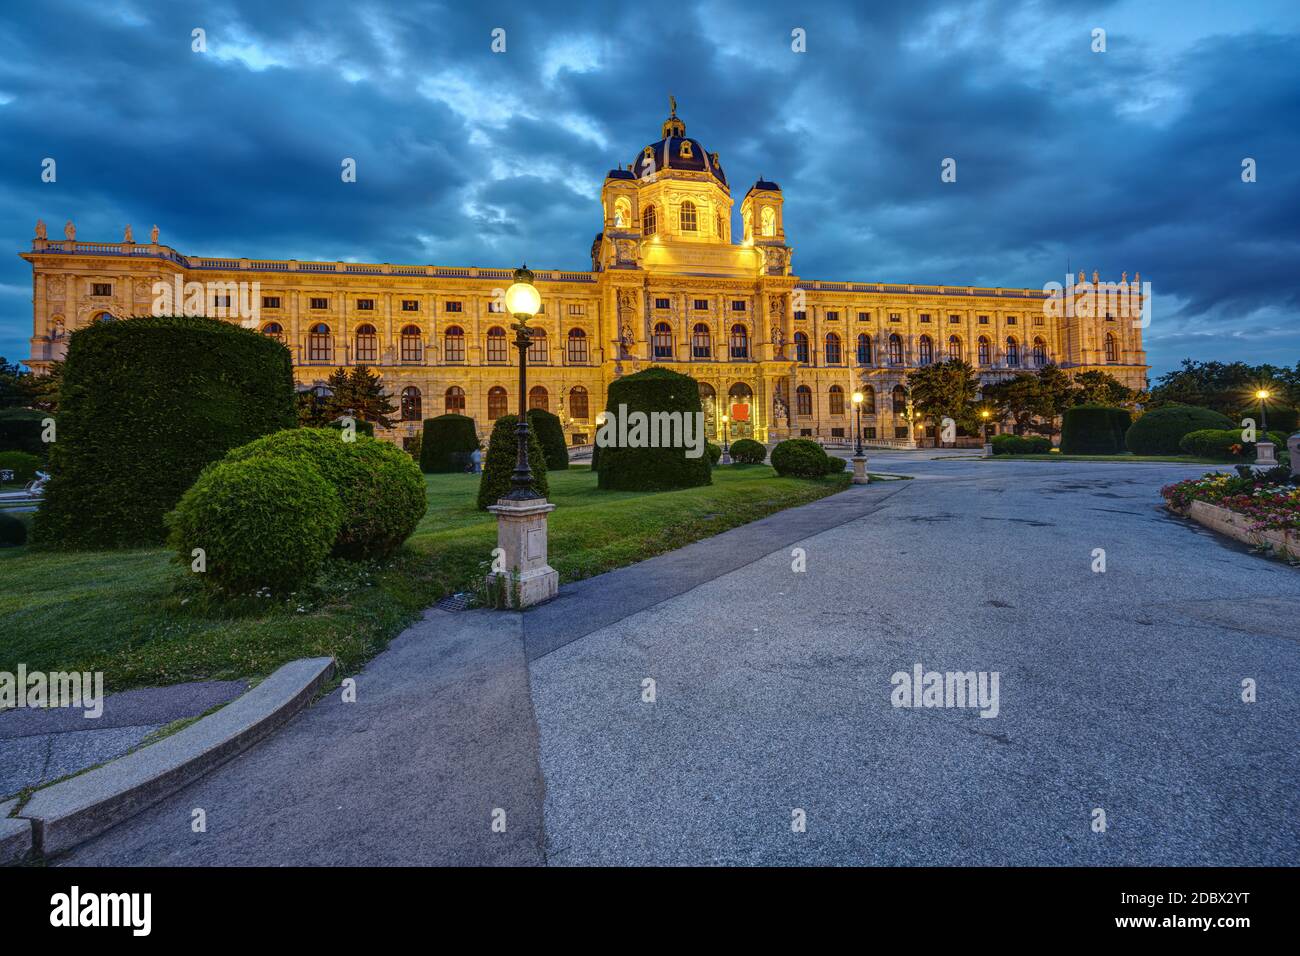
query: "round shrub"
379, 487
447, 443
499, 463
146, 404
835, 464
1159, 431
12, 531
21, 429
22, 464
748, 452
550, 435
800, 458
261, 522
714, 452
1021, 445
653, 390
1094, 430
1219, 443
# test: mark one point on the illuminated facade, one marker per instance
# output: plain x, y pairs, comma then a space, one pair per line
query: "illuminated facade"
669, 285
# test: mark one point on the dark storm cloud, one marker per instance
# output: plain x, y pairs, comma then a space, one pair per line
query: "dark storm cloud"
1128, 160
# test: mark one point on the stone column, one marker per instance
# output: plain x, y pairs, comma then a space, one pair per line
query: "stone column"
521, 535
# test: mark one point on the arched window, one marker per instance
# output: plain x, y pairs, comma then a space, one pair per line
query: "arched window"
954, 348
411, 404
767, 221
925, 350
538, 348
864, 349
1013, 351
578, 354
412, 347
899, 396
803, 400
648, 224
833, 356
701, 343
496, 344
662, 340
688, 216
1040, 353
868, 400
453, 344
539, 398
367, 344
454, 401
983, 351
273, 330
497, 402
1112, 351
622, 213
837, 400
578, 402
320, 348
895, 349
801, 348
739, 342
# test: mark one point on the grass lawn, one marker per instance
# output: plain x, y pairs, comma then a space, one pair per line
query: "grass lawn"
143, 620
1182, 459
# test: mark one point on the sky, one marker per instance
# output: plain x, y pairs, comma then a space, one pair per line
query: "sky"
1124, 160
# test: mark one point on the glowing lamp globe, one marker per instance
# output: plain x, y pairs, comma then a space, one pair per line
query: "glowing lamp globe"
857, 398
522, 298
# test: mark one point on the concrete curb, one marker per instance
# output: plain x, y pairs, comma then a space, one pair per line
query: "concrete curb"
15, 835
1237, 526
71, 812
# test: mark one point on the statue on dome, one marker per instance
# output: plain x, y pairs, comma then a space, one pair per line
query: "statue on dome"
128, 236
70, 231
40, 229
153, 235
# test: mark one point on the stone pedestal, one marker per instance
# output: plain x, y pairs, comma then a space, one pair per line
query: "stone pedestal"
1265, 456
521, 534
1293, 445
988, 449
860, 470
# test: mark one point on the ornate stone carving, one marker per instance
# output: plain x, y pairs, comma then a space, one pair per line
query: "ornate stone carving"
70, 231
55, 288
625, 250
40, 229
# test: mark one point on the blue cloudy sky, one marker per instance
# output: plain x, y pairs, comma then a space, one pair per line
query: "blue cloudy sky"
1123, 160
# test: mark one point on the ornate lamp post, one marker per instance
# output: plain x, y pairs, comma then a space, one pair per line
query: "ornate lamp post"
859, 459
985, 415
1265, 455
726, 441
523, 577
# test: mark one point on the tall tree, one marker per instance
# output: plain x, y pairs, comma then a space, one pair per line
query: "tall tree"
12, 383
359, 393
1020, 397
1102, 388
944, 390
42, 391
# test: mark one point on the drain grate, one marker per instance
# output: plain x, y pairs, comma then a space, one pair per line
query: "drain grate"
454, 602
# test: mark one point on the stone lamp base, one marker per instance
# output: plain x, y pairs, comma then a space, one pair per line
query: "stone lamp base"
1265, 454
860, 470
521, 534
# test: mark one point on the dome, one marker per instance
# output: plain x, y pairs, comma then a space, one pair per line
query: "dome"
678, 151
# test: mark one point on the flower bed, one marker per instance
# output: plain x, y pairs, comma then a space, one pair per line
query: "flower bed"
1250, 508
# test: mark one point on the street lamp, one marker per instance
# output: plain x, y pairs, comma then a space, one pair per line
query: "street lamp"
522, 301
726, 441
1263, 394
859, 459
985, 414
1264, 449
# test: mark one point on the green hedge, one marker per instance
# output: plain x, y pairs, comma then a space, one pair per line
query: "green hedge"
1094, 430
803, 458
1281, 418
1159, 431
261, 522
21, 430
146, 404
22, 464
380, 488
1218, 443
12, 531
499, 464
550, 435
1020, 445
655, 389
714, 452
447, 443
746, 451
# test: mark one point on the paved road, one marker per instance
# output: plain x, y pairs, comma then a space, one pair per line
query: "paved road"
1118, 691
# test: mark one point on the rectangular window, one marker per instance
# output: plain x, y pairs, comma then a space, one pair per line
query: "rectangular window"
410, 305
954, 320
270, 302
101, 288
895, 317
900, 431
864, 316
1038, 320
661, 303
453, 306
320, 303
800, 316
496, 348
984, 320
496, 306
221, 301
925, 316
837, 432
832, 316
365, 305
738, 305
1109, 317
577, 310
701, 305
1011, 320
579, 438
869, 432
805, 433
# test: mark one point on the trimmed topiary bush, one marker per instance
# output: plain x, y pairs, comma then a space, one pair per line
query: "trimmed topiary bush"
23, 465
21, 430
1020, 445
748, 452
800, 458
146, 404
1159, 431
835, 464
550, 435
714, 452
13, 532
447, 443
1094, 430
653, 390
261, 522
379, 487
499, 463
1224, 444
